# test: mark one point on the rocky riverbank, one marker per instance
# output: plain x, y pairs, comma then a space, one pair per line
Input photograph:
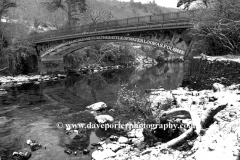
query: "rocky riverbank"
7, 81
23, 79
220, 139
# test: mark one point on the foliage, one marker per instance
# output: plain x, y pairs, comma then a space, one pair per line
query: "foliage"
150, 51
21, 58
130, 100
218, 29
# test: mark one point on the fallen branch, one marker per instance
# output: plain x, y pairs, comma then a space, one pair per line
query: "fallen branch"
174, 142
176, 112
198, 124
207, 117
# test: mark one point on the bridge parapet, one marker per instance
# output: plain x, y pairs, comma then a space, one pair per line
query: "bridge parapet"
164, 21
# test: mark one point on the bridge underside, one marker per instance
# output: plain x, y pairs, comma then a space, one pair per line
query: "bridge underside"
61, 52
174, 41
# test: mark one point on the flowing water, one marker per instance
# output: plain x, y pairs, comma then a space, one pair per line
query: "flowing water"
32, 111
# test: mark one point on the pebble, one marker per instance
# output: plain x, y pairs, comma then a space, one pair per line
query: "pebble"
111, 110
232, 114
75, 153
86, 151
103, 139
67, 151
212, 99
113, 138
100, 148
95, 144
212, 147
101, 143
80, 148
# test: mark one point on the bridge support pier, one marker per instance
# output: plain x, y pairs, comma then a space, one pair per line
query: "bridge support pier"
188, 57
186, 72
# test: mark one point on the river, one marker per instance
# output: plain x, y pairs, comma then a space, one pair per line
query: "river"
31, 111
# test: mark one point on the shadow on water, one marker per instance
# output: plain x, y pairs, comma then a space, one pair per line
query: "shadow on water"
32, 111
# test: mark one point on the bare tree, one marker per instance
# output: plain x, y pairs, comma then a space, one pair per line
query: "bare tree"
97, 12
73, 8
216, 32
5, 5
220, 27
188, 3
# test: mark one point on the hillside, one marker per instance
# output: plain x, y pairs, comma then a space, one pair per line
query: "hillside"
98, 11
132, 9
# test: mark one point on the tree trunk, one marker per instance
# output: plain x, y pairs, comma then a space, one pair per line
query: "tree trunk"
69, 14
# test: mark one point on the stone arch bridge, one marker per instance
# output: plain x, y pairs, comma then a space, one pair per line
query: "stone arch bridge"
167, 31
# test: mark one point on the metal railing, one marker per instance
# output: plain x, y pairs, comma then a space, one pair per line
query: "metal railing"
166, 18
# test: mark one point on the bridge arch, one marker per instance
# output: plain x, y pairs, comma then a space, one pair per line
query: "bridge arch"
60, 51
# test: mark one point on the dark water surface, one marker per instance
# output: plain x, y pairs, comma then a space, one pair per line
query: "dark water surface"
32, 111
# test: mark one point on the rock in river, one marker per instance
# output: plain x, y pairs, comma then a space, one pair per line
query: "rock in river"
21, 155
97, 106
123, 140
103, 119
101, 155
86, 151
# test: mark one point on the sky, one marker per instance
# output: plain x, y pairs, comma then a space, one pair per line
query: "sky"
164, 3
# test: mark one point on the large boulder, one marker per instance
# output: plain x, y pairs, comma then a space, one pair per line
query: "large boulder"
101, 155
123, 140
97, 106
103, 119
113, 146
